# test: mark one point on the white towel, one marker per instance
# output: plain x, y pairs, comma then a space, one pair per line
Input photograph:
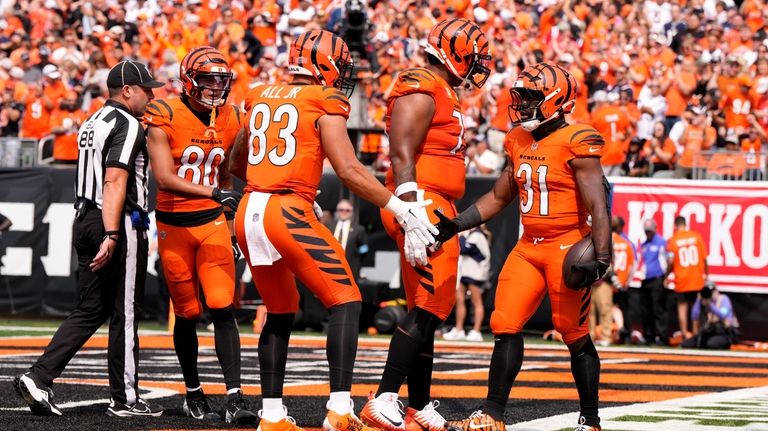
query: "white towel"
260, 248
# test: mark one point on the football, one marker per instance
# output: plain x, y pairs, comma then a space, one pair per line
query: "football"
581, 252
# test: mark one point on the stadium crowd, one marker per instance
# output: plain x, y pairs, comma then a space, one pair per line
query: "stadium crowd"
661, 80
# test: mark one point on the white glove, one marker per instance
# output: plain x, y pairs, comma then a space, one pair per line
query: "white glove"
414, 249
406, 214
318, 210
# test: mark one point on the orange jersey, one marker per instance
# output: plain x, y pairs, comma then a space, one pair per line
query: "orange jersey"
616, 126
36, 121
624, 257
197, 149
550, 202
736, 102
689, 254
693, 140
440, 158
284, 147
65, 144
737, 106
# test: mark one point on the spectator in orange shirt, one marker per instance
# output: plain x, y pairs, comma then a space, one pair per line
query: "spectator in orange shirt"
734, 88
65, 122
697, 135
193, 34
500, 123
53, 86
614, 125
37, 113
678, 86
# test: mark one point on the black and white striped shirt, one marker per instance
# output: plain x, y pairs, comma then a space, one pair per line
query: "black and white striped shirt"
112, 137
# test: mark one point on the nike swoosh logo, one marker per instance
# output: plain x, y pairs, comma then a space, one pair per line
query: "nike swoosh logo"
395, 423
477, 427
345, 108
563, 247
219, 222
416, 85
593, 149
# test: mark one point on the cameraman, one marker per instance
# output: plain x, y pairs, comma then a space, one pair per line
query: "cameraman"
714, 324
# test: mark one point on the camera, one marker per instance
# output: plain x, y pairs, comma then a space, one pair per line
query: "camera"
355, 28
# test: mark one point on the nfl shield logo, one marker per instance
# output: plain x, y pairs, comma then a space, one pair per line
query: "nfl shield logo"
162, 234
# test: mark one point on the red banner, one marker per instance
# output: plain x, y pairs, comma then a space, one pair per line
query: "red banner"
731, 216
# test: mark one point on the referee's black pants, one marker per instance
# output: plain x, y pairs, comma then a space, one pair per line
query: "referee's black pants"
115, 291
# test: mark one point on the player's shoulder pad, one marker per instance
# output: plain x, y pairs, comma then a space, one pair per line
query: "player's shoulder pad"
415, 80
582, 134
159, 112
333, 93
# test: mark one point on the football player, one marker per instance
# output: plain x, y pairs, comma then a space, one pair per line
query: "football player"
554, 167
425, 129
189, 138
291, 129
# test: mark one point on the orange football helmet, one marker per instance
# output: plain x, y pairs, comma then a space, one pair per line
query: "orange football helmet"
541, 92
323, 56
205, 69
462, 47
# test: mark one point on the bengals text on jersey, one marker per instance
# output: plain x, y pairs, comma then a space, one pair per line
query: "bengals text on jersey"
440, 159
198, 150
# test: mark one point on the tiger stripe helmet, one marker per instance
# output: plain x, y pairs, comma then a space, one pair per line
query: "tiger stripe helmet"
462, 47
541, 92
323, 56
205, 68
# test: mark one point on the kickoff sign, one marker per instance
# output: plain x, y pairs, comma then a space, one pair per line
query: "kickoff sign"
731, 216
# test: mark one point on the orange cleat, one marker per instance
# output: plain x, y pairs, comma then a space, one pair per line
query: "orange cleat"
348, 422
477, 421
285, 424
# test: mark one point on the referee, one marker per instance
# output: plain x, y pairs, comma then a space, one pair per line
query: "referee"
111, 243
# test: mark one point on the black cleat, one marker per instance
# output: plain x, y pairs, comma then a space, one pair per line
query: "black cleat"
198, 406
139, 409
236, 410
38, 396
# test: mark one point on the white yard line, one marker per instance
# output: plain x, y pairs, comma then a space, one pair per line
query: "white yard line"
682, 405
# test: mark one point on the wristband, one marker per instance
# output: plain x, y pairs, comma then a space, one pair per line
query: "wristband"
111, 232
406, 187
229, 215
396, 206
